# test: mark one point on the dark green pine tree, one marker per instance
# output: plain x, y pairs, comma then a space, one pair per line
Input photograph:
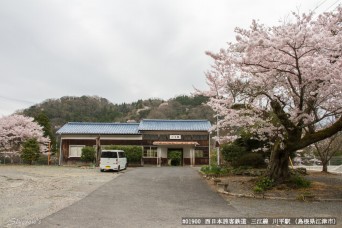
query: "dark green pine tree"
30, 152
43, 120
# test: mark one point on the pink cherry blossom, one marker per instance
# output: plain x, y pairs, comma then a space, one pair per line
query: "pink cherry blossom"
15, 129
281, 82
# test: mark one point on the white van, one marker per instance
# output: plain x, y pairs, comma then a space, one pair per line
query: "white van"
113, 160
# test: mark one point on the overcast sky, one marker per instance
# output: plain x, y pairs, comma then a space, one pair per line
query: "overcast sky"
122, 50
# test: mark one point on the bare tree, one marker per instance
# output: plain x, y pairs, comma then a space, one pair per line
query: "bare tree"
327, 148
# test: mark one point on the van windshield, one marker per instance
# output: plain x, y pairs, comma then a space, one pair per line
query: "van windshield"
107, 154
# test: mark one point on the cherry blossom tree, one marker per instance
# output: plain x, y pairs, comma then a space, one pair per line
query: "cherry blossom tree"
15, 130
279, 82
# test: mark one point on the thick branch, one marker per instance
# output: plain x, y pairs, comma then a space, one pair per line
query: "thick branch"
311, 138
282, 116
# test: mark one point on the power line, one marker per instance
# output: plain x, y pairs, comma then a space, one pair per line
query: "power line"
17, 100
319, 5
332, 5
322, 2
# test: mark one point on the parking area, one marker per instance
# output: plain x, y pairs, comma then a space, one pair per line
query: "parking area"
145, 197
30, 193
161, 197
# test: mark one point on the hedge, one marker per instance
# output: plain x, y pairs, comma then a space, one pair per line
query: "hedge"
133, 153
254, 160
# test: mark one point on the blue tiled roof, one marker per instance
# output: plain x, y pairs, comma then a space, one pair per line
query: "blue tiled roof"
134, 128
174, 125
99, 128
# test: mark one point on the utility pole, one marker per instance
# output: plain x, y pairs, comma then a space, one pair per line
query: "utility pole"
218, 139
98, 150
209, 148
49, 152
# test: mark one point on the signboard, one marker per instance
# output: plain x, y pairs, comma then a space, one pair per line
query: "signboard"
175, 137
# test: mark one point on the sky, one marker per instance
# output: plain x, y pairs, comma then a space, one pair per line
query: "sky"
122, 50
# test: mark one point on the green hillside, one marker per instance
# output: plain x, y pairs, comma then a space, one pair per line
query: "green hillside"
97, 109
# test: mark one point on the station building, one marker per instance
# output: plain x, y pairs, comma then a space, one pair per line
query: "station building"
158, 138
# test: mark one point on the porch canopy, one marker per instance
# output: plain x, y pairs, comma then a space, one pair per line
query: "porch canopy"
161, 143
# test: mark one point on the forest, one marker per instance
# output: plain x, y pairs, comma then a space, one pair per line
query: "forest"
97, 109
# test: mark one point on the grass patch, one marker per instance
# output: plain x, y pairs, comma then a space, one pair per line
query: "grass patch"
215, 170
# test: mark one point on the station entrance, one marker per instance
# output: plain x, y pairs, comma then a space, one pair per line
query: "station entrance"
175, 156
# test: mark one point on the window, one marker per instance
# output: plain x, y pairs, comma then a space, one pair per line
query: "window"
150, 152
163, 137
199, 153
200, 137
202, 152
109, 154
150, 137
187, 137
122, 155
75, 151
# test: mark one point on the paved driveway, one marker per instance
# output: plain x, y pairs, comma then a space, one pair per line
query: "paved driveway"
145, 197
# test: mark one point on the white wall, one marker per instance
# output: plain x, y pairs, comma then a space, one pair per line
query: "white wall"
186, 152
164, 152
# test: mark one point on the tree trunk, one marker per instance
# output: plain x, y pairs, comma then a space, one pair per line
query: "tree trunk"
278, 169
325, 166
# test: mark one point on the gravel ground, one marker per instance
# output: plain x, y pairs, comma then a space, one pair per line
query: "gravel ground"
327, 178
161, 197
30, 193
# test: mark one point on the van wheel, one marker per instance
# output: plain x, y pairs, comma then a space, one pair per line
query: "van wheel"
125, 166
119, 169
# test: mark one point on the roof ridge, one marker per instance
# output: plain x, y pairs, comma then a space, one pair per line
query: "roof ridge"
102, 123
180, 120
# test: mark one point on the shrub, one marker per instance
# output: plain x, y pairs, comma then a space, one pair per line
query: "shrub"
213, 157
88, 154
214, 169
133, 153
258, 189
225, 171
231, 152
250, 141
263, 184
205, 169
239, 170
245, 144
254, 160
42, 160
30, 152
298, 181
175, 157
